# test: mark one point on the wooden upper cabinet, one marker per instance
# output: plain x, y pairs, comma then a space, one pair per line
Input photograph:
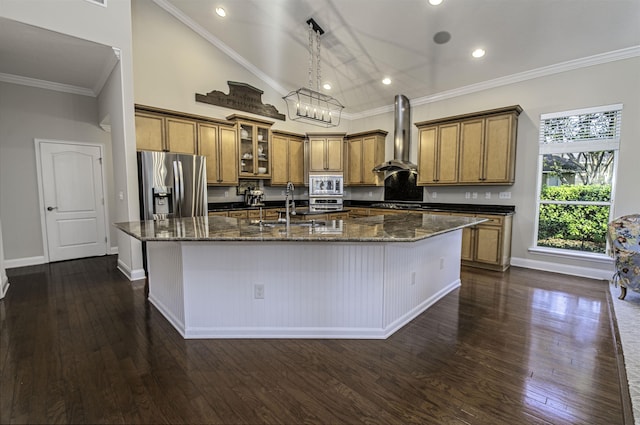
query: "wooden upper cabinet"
149, 132
159, 132
287, 151
218, 144
254, 146
325, 152
364, 151
181, 135
438, 154
172, 131
500, 148
470, 149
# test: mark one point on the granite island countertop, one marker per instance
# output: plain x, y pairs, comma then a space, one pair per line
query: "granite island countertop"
408, 227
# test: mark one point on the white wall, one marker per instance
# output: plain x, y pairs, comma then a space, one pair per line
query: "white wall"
172, 63
27, 113
610, 83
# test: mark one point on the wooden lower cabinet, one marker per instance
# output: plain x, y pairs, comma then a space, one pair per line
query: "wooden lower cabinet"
218, 213
488, 245
238, 213
338, 216
355, 212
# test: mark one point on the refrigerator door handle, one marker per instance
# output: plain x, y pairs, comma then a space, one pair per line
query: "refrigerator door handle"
181, 175
176, 189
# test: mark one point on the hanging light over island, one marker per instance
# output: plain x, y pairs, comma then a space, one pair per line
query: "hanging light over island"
309, 105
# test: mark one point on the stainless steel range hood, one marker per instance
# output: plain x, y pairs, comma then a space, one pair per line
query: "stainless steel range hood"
402, 139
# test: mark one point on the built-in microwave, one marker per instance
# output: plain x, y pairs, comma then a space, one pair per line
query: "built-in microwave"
326, 185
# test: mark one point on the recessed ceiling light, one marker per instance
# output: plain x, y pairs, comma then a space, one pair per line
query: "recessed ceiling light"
386, 81
327, 86
478, 53
221, 12
435, 2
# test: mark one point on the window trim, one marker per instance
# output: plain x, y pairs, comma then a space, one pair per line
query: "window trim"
612, 144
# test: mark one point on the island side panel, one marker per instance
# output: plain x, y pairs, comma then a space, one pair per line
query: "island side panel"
311, 290
166, 292
418, 274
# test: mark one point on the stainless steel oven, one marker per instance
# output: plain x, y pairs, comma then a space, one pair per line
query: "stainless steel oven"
325, 204
325, 192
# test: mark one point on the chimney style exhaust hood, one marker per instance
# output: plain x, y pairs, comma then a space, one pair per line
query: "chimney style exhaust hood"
402, 139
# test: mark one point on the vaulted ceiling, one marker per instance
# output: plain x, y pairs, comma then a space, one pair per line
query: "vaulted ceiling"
365, 41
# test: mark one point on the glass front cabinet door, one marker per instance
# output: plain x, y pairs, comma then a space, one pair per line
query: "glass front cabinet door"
254, 147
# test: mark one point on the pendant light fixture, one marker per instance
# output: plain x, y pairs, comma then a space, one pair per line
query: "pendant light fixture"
309, 105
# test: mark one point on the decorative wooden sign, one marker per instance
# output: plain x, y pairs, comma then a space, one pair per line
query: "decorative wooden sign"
241, 97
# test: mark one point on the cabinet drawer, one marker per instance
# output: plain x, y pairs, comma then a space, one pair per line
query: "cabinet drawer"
494, 220
238, 214
218, 213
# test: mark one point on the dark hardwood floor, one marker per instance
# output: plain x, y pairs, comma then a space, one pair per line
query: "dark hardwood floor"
79, 344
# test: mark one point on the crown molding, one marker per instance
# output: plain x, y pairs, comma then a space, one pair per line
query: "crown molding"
176, 13
106, 70
588, 61
47, 85
602, 58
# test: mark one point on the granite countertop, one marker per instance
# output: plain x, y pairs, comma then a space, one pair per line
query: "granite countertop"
408, 227
420, 206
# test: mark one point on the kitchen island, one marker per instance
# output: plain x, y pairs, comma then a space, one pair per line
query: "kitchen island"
218, 277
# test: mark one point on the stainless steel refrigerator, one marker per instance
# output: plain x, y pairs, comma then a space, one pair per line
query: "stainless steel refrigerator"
172, 185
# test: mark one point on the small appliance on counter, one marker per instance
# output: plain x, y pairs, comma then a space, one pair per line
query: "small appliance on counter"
254, 197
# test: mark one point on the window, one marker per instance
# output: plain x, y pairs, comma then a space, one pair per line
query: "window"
577, 165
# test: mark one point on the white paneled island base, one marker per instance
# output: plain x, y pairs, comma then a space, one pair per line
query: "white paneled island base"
212, 289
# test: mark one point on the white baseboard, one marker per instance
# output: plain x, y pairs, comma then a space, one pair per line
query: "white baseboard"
589, 272
113, 250
22, 262
4, 286
132, 275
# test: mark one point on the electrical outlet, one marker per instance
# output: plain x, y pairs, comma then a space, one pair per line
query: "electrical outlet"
474, 195
226, 193
413, 278
505, 195
370, 194
441, 263
487, 195
258, 291
434, 195
467, 195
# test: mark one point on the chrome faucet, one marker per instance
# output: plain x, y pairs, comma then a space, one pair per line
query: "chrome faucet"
290, 206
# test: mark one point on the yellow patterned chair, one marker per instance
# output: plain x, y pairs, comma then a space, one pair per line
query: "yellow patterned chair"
624, 236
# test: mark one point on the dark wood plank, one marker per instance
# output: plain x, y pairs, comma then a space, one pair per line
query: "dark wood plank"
81, 344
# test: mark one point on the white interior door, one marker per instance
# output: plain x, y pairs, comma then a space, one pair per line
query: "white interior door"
72, 192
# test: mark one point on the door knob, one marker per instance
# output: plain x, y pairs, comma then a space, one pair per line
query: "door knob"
51, 208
